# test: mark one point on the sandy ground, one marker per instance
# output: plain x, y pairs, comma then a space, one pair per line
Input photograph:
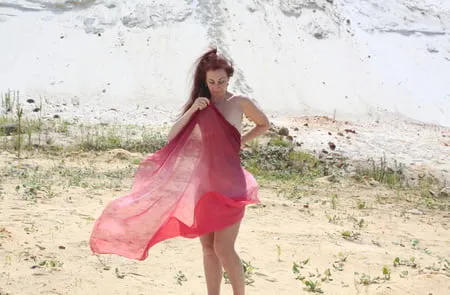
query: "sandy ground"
45, 226
345, 59
416, 146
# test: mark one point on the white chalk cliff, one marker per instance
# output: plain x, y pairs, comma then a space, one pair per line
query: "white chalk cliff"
370, 59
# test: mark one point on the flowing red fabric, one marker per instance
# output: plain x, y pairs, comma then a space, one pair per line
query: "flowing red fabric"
192, 186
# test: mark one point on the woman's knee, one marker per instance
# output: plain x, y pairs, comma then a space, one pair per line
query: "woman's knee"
208, 245
224, 250
208, 250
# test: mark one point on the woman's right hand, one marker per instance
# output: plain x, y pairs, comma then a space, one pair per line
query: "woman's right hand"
200, 103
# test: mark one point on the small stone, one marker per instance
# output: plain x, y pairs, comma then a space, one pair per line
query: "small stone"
283, 131
318, 35
415, 212
445, 192
350, 131
332, 146
30, 100
332, 178
373, 182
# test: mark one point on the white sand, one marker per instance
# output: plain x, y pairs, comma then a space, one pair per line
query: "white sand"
386, 72
44, 244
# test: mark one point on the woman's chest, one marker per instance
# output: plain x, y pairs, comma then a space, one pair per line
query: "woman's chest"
232, 112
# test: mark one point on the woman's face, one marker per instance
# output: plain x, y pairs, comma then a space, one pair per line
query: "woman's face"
217, 81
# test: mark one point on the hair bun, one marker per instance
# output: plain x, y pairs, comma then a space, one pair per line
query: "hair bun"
212, 55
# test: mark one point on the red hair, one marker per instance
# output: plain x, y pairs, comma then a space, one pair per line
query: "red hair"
209, 61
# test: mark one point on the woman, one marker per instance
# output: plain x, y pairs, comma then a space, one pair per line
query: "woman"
211, 79
194, 186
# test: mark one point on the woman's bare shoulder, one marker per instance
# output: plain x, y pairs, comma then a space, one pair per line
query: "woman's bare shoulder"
245, 101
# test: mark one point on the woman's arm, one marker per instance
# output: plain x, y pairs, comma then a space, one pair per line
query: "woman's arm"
254, 113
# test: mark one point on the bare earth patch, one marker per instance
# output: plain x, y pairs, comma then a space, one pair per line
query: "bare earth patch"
341, 237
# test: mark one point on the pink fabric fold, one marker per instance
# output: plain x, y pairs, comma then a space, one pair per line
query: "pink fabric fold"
192, 186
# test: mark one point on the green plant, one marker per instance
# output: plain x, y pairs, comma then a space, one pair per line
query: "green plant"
386, 272
312, 286
51, 263
279, 162
339, 264
301, 264
279, 141
334, 199
361, 204
278, 252
326, 276
359, 224
4, 234
296, 270
19, 114
180, 277
382, 173
366, 279
8, 99
335, 219
119, 275
350, 235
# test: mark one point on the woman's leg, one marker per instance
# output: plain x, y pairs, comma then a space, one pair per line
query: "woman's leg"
224, 247
211, 265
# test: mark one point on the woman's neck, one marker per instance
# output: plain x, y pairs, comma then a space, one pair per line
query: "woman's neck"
220, 98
